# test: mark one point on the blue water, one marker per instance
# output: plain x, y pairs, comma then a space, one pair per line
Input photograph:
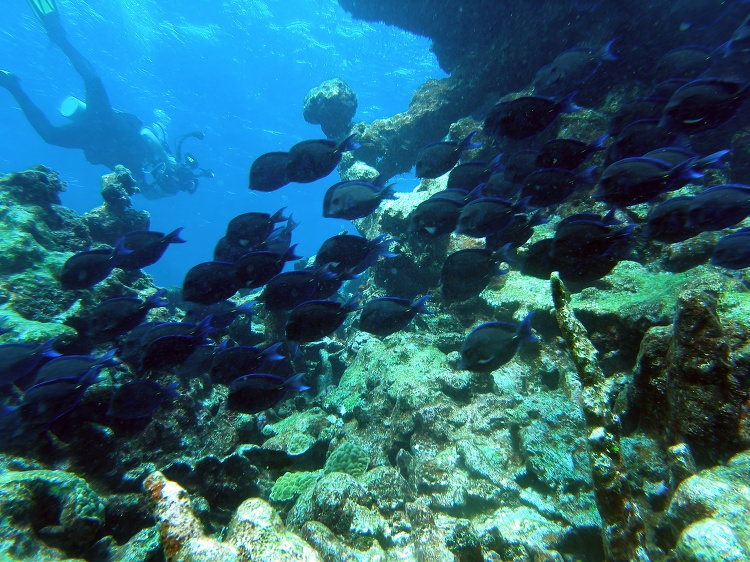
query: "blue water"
237, 70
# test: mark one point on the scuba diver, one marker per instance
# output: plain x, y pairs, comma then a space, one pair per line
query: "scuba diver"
107, 136
172, 174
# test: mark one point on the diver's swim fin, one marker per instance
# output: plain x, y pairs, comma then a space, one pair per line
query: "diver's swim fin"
43, 9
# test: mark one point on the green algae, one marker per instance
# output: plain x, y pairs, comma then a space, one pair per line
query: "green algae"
635, 292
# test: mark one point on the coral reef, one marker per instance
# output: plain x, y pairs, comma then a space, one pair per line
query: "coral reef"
38, 236
331, 105
621, 433
116, 216
255, 532
594, 432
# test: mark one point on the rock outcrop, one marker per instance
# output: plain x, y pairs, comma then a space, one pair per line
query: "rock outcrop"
331, 105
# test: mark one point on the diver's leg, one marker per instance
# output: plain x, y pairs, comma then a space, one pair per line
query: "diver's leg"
97, 100
59, 136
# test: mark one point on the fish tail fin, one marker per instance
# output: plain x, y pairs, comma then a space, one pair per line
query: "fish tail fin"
477, 192
586, 176
295, 383
609, 219
120, 250
353, 303
324, 274
504, 253
271, 353
567, 103
289, 255
169, 392
598, 144
246, 308
525, 333
495, 166
275, 233
174, 236
466, 144
348, 144
46, 349
381, 245
108, 359
91, 377
278, 216
420, 305
725, 49
621, 243
686, 170
626, 231
537, 219
388, 192
293, 349
157, 300
290, 224
203, 329
347, 275
522, 206
605, 53
712, 161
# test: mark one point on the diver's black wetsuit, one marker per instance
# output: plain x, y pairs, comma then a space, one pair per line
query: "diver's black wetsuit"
105, 135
